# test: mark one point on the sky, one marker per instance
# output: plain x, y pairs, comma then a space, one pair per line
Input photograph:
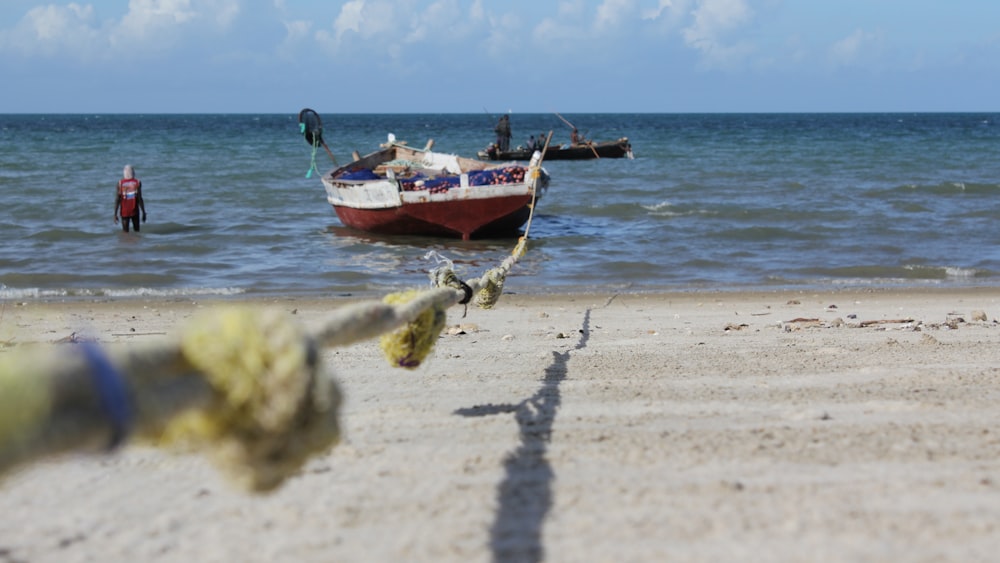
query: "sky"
526, 56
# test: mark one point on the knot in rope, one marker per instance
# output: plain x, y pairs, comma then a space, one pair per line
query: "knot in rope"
271, 408
445, 277
492, 288
409, 345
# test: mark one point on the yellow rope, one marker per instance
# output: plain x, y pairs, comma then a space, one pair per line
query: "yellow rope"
24, 401
409, 345
263, 422
241, 384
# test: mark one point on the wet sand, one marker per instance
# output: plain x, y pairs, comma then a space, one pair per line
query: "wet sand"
765, 426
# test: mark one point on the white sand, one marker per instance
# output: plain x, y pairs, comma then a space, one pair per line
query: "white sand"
668, 427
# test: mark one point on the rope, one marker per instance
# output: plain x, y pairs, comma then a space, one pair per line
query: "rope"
241, 384
315, 147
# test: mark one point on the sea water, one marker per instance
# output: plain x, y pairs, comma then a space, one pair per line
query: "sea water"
710, 202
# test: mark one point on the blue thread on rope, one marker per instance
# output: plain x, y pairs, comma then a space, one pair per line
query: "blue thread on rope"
312, 166
111, 390
315, 145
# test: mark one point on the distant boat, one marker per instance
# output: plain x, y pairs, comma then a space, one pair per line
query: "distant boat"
609, 149
400, 190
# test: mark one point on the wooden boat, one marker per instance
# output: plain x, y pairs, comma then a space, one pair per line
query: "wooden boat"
401, 190
589, 150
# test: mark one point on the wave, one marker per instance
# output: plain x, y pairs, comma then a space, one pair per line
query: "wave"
765, 234
945, 188
49, 293
669, 210
897, 274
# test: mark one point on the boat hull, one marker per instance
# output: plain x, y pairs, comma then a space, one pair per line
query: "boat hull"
616, 149
473, 218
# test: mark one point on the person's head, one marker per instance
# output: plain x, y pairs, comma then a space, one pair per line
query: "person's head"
128, 173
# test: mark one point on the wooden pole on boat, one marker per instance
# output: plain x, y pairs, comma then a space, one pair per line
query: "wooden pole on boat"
566, 121
329, 152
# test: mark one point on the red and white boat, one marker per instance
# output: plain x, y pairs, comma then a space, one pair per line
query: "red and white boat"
401, 190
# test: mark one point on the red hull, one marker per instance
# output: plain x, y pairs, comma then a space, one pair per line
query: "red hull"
467, 218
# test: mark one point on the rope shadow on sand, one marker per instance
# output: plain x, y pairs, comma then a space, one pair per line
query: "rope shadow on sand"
525, 494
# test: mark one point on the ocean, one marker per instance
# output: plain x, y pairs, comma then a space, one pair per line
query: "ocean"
710, 202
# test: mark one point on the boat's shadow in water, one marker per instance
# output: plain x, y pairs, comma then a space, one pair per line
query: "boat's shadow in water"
347, 234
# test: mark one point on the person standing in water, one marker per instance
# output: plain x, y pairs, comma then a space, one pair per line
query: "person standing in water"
503, 133
128, 200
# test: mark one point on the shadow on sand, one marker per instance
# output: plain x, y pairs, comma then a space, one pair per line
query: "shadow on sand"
525, 494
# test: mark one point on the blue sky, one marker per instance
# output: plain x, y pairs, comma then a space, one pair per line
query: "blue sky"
452, 56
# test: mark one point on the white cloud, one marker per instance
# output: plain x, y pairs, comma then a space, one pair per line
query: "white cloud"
500, 31
149, 18
171, 13
441, 22
612, 13
606, 30
556, 34
143, 13
52, 22
571, 9
147, 25
397, 30
609, 28
296, 30
569, 30
370, 20
50, 30
714, 21
714, 18
349, 19
656, 13
668, 13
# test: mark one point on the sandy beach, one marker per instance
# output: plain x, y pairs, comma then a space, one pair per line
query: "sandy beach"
748, 426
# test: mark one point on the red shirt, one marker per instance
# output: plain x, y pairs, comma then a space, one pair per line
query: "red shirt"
128, 191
